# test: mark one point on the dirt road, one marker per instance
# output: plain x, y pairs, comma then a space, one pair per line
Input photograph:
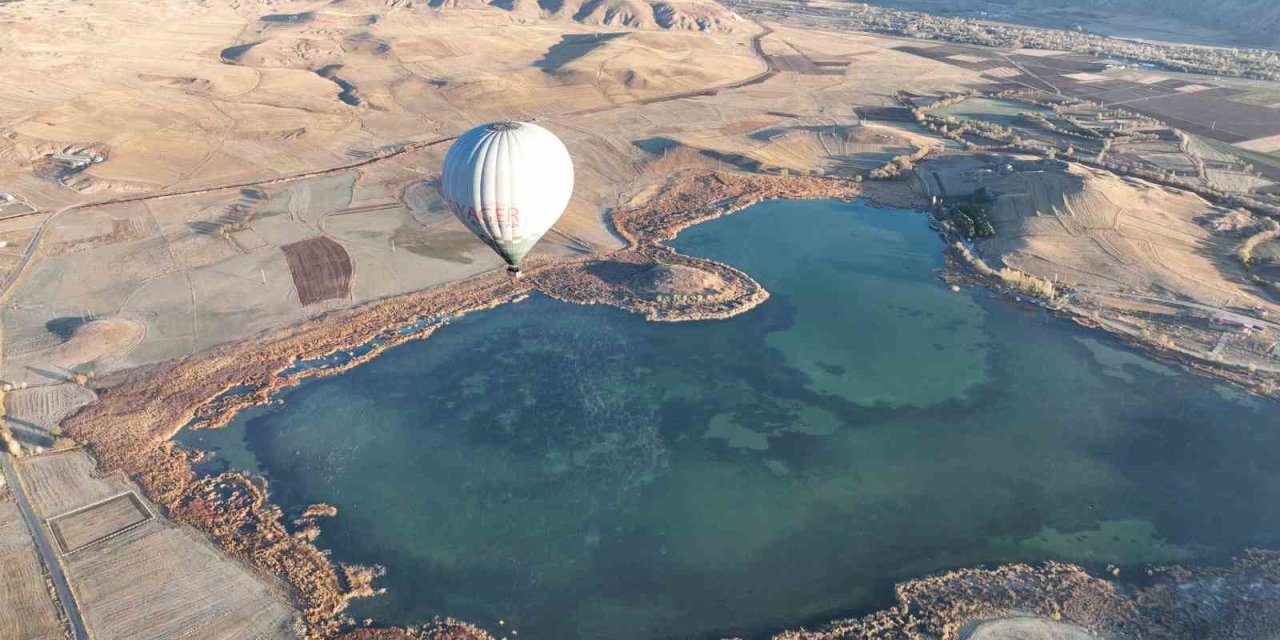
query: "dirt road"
47, 552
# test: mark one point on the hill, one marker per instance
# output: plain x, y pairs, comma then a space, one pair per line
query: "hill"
684, 15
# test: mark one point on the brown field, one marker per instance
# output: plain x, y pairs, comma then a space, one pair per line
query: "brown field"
85, 526
162, 582
321, 269
60, 482
26, 610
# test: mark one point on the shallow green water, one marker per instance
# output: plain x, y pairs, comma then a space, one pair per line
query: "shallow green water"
989, 109
579, 473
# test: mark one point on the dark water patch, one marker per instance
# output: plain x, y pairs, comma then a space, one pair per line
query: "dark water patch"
65, 326
345, 356
233, 54
581, 473
656, 145
571, 47
349, 94
288, 18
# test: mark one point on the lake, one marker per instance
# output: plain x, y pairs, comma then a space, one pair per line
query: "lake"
578, 473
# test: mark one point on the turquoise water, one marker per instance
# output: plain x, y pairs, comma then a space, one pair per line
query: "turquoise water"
579, 473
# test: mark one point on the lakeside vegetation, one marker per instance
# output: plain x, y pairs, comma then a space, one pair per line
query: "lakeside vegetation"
1271, 231
972, 220
1015, 279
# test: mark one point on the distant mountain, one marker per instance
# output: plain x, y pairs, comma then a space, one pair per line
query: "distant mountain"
688, 15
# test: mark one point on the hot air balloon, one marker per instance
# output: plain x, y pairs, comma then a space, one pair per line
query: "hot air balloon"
508, 182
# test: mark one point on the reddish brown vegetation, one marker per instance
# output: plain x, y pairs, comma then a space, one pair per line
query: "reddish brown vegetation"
438, 629
1236, 603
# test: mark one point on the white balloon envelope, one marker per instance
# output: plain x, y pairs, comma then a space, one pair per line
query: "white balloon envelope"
509, 182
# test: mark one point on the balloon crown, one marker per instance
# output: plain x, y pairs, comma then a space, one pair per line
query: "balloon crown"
504, 125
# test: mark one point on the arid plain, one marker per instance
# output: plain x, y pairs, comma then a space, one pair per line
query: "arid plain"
198, 194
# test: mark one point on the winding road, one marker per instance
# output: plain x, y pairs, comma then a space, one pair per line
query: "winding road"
47, 552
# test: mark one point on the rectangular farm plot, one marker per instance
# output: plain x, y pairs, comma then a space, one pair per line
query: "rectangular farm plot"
167, 583
321, 269
80, 528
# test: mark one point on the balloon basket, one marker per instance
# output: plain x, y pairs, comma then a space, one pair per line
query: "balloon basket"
514, 271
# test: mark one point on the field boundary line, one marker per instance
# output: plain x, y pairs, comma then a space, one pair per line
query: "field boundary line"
148, 516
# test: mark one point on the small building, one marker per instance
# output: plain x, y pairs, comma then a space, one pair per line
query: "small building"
1234, 321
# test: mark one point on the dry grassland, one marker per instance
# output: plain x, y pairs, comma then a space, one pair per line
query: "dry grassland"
224, 96
1091, 228
60, 482
33, 414
26, 609
163, 582
1234, 181
208, 267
